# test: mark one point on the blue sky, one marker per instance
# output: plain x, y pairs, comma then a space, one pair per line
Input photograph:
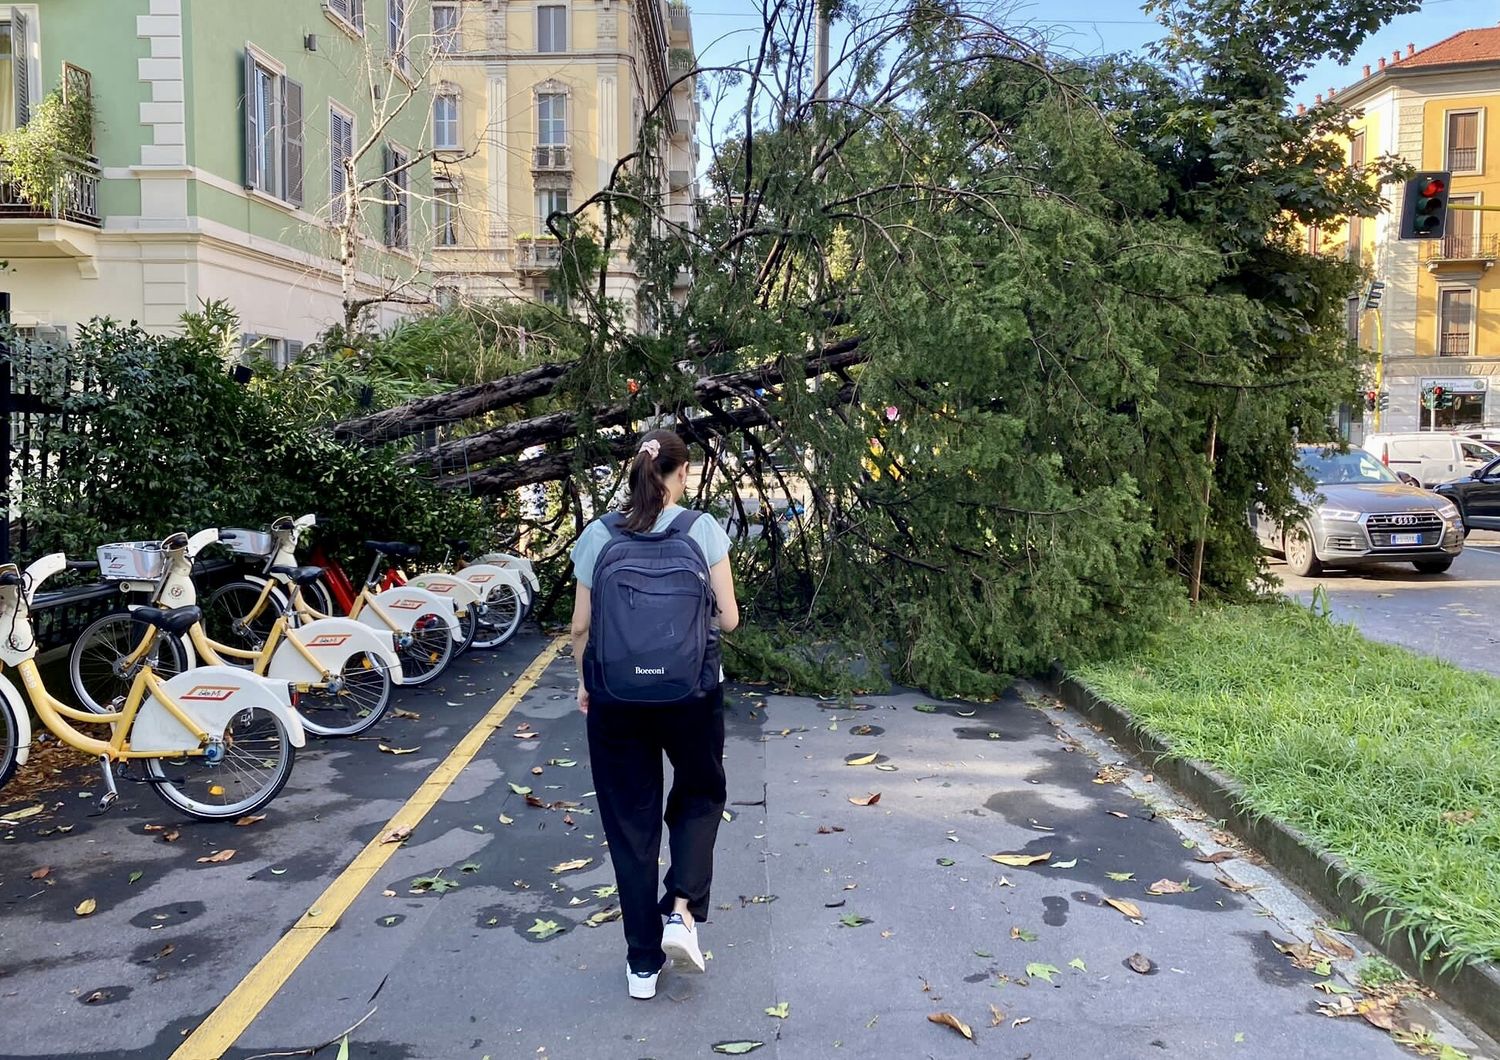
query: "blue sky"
725, 30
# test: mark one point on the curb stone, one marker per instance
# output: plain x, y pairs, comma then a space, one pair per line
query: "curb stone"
1473, 989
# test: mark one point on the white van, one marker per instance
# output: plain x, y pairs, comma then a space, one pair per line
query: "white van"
1429, 457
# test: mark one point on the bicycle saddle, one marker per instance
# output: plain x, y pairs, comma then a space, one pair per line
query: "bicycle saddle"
299, 575
177, 620
395, 548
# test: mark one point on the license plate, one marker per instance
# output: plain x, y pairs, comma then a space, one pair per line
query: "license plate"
1406, 539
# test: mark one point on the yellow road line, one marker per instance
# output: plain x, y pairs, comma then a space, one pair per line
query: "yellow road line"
223, 1027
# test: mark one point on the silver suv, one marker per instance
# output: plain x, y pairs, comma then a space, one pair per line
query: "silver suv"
1361, 514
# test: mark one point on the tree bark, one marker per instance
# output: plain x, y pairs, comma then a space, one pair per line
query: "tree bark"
437, 410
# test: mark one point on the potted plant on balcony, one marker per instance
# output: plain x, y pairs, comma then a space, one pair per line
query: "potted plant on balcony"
39, 155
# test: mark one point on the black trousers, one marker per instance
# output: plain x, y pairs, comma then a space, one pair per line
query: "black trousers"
626, 744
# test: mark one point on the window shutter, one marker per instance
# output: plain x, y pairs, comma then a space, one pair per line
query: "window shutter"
252, 127
21, 62
388, 192
292, 117
338, 139
293, 351
357, 13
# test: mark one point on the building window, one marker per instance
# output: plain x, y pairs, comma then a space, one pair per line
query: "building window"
1314, 239
397, 32
552, 118
349, 12
15, 72
1357, 149
548, 202
445, 31
340, 151
1465, 407
1455, 321
1354, 250
445, 122
1351, 318
1462, 154
552, 28
397, 198
554, 297
1461, 230
445, 215
273, 130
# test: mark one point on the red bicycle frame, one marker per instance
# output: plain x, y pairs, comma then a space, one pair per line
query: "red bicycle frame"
343, 589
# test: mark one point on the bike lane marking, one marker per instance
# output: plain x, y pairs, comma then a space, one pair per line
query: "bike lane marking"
224, 1025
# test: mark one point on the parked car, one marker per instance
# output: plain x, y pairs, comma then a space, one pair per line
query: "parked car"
1429, 456
1360, 514
1477, 497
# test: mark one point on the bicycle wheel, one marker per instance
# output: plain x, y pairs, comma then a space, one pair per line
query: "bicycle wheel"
225, 616
425, 651
504, 609
96, 664
257, 761
356, 699
10, 740
468, 627
320, 598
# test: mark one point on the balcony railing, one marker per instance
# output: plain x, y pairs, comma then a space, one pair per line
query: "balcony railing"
1463, 159
1462, 246
680, 20
552, 158
537, 254
1453, 344
76, 197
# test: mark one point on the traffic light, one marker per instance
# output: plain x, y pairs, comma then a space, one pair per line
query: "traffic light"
1384, 401
1370, 397
1372, 297
1424, 211
1438, 394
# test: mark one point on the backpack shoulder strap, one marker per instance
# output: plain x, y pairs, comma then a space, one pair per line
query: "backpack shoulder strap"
614, 522
684, 522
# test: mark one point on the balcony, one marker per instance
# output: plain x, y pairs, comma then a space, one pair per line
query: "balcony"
1463, 159
65, 227
552, 158
1462, 249
535, 255
1454, 343
680, 22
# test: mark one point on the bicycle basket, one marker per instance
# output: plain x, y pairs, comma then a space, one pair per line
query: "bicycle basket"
131, 561
257, 543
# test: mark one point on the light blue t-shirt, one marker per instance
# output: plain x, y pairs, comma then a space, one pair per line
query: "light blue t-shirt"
706, 531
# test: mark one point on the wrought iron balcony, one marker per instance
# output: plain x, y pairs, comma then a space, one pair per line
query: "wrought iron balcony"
1462, 247
75, 198
537, 254
1463, 159
552, 158
1453, 344
680, 21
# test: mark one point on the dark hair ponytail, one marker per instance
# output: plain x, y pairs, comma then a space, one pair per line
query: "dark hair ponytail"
661, 454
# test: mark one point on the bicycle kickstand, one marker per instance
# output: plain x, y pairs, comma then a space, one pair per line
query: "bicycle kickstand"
113, 793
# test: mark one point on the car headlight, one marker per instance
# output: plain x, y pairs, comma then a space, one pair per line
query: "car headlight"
1448, 510
1338, 514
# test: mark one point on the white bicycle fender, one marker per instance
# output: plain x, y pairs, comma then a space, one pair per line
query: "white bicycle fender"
211, 695
405, 604
23, 719
486, 576
332, 641
461, 592
520, 563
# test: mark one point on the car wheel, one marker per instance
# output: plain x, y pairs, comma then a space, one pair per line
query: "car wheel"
1301, 559
1432, 566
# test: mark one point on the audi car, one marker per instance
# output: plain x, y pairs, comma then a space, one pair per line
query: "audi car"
1359, 513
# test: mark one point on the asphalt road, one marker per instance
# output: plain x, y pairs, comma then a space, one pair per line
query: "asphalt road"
464, 971
1454, 616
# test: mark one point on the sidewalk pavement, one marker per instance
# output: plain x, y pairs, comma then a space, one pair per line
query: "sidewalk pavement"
469, 971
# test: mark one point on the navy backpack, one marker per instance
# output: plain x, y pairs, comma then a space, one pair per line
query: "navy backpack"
651, 634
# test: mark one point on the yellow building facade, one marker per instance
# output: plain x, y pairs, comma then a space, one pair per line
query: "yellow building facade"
1439, 318
538, 100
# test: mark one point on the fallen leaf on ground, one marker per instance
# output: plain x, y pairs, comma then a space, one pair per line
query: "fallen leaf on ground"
853, 920
1111, 775
544, 929
98, 997
469, 866
519, 789
388, 749
736, 1048
1130, 909
865, 800
1460, 816
155, 828
945, 862
86, 907
568, 820
1065, 864
996, 1016
564, 762
1077, 962
532, 800
862, 760
983, 953
1216, 857
569, 866
507, 820
172, 836
217, 858
432, 884
926, 708
409, 715
1165, 887
1022, 935
604, 916
525, 726
524, 735
1117, 813
135, 877
396, 835
781, 1010
1121, 877
1237, 887
1042, 971
1304, 955
1018, 860
536, 771
21, 815
1328, 986
246, 822
1338, 947
607, 891
1016, 1023
948, 1019
1139, 962
165, 951
41, 873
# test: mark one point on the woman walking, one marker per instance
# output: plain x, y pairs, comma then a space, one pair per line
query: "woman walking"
654, 593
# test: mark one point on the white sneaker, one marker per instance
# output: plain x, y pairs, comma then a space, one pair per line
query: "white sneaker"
642, 984
679, 941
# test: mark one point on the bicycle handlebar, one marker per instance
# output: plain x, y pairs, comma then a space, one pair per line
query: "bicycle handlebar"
74, 564
10, 579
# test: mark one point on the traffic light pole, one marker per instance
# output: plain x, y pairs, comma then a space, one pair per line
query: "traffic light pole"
1473, 206
1379, 365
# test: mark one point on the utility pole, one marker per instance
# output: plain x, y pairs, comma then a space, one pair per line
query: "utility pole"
820, 52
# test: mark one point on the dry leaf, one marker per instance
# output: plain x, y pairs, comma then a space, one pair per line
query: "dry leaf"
1378, 1014
569, 866
1139, 962
86, 907
1336, 946
41, 873
246, 822
532, 800
862, 760
996, 1016
525, 726
396, 835
21, 815
409, 715
1163, 887
536, 771
1237, 887
1130, 909
568, 820
948, 1019
98, 997
1016, 1023
1460, 816
1215, 858
156, 828
507, 820
1018, 860
865, 800
1303, 955
524, 735
1117, 813
398, 750
217, 858
172, 836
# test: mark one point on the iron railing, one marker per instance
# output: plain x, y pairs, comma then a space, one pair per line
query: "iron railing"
1453, 344
75, 197
1463, 246
1463, 159
552, 158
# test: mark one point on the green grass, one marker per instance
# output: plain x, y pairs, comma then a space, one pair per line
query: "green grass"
1361, 746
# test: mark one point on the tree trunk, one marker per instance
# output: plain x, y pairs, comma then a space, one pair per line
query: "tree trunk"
439, 409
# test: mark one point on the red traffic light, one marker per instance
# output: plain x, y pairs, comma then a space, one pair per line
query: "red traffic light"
1437, 391
1433, 187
